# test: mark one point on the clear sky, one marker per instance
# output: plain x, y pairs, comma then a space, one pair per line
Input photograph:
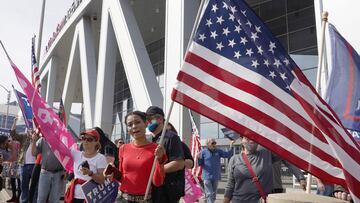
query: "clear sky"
19, 21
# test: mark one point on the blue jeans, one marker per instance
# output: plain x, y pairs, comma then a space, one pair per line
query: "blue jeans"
50, 185
210, 190
25, 176
329, 189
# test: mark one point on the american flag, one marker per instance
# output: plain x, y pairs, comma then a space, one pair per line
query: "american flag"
35, 75
236, 73
195, 148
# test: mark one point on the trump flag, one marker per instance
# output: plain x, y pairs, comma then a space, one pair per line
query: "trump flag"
25, 108
237, 74
52, 129
343, 90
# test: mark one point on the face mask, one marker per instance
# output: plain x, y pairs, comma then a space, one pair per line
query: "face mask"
251, 147
153, 125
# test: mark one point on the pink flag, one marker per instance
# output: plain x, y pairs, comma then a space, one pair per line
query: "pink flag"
53, 130
192, 189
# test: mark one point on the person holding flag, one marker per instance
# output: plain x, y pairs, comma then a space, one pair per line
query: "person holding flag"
135, 162
26, 161
174, 186
236, 73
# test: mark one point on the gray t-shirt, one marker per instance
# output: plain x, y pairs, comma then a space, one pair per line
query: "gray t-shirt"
49, 161
240, 187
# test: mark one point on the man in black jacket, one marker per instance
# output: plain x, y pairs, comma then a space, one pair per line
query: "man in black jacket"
173, 188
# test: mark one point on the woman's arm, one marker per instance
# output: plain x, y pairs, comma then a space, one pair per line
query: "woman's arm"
98, 177
229, 189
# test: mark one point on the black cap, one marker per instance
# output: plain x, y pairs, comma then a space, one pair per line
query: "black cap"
152, 110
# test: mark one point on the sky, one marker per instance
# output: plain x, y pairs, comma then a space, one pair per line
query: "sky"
19, 21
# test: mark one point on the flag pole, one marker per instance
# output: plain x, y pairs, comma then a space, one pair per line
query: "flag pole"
7, 55
324, 19
160, 143
201, 6
40, 33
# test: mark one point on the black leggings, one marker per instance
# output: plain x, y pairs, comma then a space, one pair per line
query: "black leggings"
15, 188
78, 200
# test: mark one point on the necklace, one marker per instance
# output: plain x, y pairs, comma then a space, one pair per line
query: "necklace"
139, 150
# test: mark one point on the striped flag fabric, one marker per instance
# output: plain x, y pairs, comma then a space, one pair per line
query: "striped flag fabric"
195, 148
237, 74
35, 75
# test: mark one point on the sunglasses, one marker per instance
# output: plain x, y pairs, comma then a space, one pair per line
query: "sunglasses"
88, 139
213, 143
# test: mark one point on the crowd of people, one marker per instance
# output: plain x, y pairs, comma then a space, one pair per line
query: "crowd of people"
252, 174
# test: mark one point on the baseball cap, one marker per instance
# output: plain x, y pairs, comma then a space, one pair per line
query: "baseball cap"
91, 132
152, 110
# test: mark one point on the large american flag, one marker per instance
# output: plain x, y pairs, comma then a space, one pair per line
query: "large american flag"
35, 75
195, 148
236, 73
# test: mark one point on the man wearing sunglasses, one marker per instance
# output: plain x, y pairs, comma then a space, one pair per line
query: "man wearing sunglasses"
209, 160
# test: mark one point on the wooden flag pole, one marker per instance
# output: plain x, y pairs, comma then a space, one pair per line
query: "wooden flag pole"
324, 19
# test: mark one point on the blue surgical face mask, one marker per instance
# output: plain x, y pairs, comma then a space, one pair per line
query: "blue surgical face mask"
153, 125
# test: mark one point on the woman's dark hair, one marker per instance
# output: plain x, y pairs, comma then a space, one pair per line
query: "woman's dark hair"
106, 144
141, 114
171, 127
3, 139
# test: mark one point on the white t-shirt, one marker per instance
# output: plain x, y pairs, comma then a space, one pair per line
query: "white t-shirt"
29, 158
96, 162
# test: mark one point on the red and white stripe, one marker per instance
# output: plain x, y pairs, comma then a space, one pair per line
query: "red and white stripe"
195, 149
301, 129
35, 74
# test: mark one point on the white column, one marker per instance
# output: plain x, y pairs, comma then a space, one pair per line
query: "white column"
51, 81
180, 17
106, 74
88, 69
72, 75
143, 85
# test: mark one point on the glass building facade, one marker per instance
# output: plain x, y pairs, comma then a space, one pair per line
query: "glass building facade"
292, 22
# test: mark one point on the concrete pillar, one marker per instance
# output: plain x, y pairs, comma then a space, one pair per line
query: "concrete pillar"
72, 75
180, 17
51, 78
88, 69
104, 100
